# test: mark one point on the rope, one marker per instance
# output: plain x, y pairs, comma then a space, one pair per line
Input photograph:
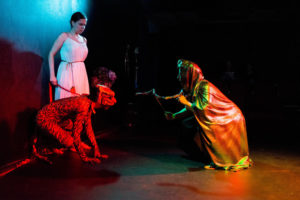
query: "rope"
61, 87
157, 97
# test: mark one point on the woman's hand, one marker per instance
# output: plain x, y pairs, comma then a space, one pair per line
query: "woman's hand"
53, 81
98, 155
91, 161
169, 115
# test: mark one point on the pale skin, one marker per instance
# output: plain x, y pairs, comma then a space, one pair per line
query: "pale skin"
96, 105
77, 28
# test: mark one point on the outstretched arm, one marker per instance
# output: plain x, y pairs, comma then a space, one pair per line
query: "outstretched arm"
182, 113
78, 126
77, 129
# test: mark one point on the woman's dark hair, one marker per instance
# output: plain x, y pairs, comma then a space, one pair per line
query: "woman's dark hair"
102, 76
77, 16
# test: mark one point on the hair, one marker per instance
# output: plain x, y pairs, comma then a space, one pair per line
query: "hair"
77, 16
102, 76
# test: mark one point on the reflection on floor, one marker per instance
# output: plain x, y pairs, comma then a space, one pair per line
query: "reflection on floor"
150, 166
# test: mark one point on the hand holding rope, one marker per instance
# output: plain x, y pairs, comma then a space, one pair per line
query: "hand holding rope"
72, 90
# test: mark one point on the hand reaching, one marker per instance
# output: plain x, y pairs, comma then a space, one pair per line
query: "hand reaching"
169, 115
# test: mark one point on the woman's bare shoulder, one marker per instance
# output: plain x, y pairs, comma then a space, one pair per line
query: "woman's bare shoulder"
84, 39
63, 36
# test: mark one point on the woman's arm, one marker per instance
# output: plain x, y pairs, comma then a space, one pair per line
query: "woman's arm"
56, 46
188, 105
77, 129
91, 135
182, 113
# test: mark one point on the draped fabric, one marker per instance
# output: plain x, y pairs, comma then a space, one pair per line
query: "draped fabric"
189, 74
71, 71
224, 133
224, 127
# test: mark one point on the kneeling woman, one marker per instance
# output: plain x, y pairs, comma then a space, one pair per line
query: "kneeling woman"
224, 135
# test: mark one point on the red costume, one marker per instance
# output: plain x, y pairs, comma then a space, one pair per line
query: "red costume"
66, 119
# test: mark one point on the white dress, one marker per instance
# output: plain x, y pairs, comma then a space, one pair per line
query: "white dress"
71, 71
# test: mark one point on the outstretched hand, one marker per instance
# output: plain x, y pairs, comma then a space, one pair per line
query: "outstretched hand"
169, 115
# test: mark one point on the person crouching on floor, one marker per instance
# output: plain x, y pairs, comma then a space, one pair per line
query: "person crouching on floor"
66, 120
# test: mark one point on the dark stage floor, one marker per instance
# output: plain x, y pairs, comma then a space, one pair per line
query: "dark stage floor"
149, 166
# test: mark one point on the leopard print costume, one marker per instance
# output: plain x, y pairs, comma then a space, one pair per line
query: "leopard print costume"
66, 119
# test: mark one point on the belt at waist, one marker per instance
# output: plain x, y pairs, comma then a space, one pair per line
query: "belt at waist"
71, 62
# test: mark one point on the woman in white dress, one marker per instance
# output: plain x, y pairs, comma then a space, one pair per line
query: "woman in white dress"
71, 77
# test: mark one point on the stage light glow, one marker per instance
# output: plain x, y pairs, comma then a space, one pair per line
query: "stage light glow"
30, 24
63, 8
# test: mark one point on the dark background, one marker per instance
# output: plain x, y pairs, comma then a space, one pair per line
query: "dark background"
210, 33
263, 34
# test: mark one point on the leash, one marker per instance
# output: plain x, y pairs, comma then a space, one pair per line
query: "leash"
158, 97
61, 87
